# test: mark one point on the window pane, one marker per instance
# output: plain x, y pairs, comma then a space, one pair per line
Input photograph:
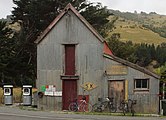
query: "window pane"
141, 83
144, 84
138, 83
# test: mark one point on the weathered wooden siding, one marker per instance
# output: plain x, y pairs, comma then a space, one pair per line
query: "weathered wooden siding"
147, 102
50, 59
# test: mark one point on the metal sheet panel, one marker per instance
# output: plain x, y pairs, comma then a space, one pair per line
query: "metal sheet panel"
88, 59
147, 102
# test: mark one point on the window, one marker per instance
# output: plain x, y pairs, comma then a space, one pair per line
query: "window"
141, 84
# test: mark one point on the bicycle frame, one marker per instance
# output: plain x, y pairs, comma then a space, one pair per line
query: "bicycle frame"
127, 106
101, 105
80, 105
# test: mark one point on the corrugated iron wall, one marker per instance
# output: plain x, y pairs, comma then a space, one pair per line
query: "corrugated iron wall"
147, 101
90, 66
88, 60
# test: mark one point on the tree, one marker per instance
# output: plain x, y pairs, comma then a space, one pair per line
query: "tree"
97, 16
7, 47
152, 51
123, 50
114, 43
143, 55
160, 54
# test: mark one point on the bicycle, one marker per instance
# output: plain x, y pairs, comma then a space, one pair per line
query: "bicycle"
131, 104
127, 106
124, 106
101, 106
82, 105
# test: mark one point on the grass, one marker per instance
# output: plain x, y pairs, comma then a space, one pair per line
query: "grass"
114, 114
137, 35
132, 31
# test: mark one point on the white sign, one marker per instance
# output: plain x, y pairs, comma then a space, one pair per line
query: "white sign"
51, 91
58, 93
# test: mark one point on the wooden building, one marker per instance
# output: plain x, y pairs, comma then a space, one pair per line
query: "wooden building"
74, 60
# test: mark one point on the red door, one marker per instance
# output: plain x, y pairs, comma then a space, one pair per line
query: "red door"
69, 86
69, 59
69, 92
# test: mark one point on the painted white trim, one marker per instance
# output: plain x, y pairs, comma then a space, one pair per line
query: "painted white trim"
29, 86
8, 86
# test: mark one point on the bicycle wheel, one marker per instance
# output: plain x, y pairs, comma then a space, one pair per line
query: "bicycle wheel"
73, 107
87, 107
105, 106
121, 106
125, 109
97, 108
112, 108
132, 111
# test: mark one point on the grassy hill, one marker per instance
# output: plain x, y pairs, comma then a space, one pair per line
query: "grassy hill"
133, 27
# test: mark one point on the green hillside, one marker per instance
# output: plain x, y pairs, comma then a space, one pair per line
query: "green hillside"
132, 27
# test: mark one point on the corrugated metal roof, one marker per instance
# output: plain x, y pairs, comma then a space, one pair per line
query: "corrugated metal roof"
66, 9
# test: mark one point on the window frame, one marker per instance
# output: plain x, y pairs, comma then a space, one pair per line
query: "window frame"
141, 88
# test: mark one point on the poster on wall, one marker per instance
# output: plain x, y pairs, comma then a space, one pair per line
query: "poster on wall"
50, 90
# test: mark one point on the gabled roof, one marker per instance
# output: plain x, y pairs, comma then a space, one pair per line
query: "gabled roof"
55, 21
132, 65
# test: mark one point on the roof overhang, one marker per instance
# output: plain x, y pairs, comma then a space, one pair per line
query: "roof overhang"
132, 65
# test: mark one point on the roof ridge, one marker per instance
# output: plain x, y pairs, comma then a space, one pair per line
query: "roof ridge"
53, 23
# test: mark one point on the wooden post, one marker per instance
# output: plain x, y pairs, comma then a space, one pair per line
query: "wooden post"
126, 89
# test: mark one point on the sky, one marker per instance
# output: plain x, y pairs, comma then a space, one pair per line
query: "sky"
147, 6
5, 8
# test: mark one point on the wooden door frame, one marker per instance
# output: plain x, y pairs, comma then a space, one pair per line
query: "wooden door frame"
123, 80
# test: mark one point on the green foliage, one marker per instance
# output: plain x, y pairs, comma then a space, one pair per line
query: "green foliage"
36, 15
121, 49
163, 76
160, 53
160, 30
7, 47
162, 72
141, 54
97, 16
